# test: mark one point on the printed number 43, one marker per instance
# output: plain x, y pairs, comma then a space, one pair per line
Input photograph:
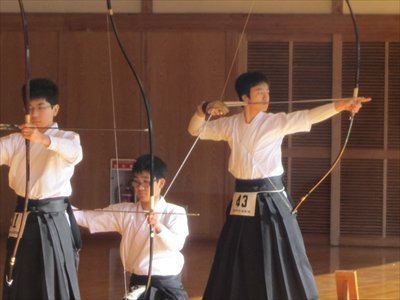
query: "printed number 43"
242, 201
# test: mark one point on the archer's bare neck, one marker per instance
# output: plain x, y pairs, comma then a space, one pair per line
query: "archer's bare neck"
249, 114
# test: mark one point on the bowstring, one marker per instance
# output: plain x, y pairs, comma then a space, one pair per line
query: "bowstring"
115, 137
221, 97
237, 49
113, 107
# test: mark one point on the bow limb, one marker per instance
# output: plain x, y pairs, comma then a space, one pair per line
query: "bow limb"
150, 133
355, 96
22, 221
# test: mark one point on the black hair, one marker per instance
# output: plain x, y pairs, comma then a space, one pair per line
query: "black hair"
247, 80
42, 88
142, 163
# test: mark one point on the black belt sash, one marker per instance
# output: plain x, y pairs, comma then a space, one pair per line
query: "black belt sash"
49, 205
274, 183
44, 205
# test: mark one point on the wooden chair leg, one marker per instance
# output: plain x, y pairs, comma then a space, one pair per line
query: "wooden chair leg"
346, 285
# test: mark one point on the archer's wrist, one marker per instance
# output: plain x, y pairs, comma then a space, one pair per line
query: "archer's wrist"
340, 105
201, 109
157, 228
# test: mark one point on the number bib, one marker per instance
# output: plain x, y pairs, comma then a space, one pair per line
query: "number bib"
16, 223
244, 204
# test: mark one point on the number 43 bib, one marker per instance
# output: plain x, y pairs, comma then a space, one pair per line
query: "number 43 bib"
244, 204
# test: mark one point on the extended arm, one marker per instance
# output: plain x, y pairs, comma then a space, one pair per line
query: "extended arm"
323, 112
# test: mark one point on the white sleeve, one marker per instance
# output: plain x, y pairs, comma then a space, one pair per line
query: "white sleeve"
321, 113
98, 221
69, 147
195, 125
175, 231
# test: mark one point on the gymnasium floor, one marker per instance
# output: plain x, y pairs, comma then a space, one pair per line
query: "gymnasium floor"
378, 269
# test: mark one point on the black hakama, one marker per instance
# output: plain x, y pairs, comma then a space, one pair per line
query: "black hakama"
47, 257
263, 256
161, 287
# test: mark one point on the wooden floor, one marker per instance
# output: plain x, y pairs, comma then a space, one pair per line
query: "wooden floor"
378, 269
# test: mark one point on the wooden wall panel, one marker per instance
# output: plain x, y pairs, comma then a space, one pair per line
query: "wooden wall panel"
393, 203
369, 123
182, 59
361, 201
312, 79
314, 214
181, 80
93, 92
370, 209
394, 93
272, 58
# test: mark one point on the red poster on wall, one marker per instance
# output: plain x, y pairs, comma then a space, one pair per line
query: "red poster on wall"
121, 180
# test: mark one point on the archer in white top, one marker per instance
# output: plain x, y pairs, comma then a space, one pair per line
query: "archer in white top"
131, 221
260, 252
255, 136
52, 161
47, 249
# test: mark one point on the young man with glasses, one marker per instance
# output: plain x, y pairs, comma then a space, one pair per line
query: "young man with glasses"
47, 257
132, 220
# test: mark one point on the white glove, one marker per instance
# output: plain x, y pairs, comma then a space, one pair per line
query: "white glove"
214, 108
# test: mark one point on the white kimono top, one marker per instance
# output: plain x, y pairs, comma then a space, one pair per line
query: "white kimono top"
134, 229
256, 146
51, 168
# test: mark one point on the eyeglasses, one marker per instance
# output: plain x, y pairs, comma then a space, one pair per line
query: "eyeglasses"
145, 183
39, 108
